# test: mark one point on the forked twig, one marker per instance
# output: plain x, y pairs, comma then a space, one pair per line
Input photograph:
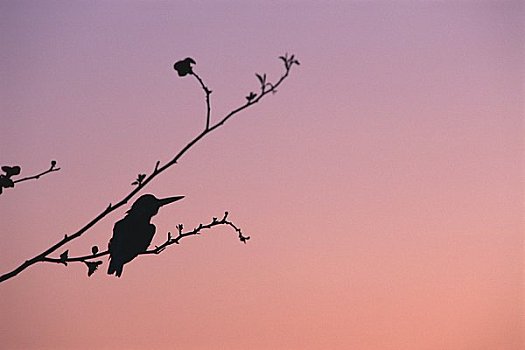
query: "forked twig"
266, 88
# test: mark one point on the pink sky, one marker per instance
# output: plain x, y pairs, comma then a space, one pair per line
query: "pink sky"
382, 186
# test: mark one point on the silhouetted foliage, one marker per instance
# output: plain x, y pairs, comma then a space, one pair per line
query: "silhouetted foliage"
63, 257
11, 170
6, 180
92, 266
133, 234
183, 67
289, 61
140, 178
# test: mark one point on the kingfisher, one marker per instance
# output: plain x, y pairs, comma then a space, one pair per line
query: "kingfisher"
133, 234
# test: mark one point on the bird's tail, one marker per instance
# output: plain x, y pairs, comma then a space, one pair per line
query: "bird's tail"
115, 268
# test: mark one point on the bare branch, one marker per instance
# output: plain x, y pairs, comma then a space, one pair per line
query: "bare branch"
183, 69
51, 169
92, 265
208, 93
6, 180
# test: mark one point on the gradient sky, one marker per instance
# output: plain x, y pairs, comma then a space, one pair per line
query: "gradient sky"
382, 186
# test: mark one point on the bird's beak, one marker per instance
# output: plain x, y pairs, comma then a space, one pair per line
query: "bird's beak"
168, 200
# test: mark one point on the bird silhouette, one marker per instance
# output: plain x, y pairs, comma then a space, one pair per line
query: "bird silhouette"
133, 234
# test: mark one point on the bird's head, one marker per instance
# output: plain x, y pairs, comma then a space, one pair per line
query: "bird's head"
148, 205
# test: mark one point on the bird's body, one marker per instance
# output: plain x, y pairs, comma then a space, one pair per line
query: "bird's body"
133, 234
130, 237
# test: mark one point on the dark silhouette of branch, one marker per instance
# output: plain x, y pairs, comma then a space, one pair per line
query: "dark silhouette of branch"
170, 240
183, 68
6, 180
208, 93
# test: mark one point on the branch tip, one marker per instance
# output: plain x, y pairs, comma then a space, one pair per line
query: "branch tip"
183, 68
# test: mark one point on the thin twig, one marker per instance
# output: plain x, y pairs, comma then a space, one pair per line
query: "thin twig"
158, 170
208, 93
158, 249
37, 176
6, 180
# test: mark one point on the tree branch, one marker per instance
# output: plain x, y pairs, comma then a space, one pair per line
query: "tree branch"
7, 182
208, 93
51, 169
170, 240
288, 63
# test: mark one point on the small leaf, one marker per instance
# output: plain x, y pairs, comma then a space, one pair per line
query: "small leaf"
63, 257
6, 182
53, 163
11, 170
92, 266
184, 67
94, 249
16, 170
134, 183
243, 239
261, 80
251, 96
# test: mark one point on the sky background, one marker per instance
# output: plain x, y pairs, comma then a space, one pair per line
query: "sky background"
382, 186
